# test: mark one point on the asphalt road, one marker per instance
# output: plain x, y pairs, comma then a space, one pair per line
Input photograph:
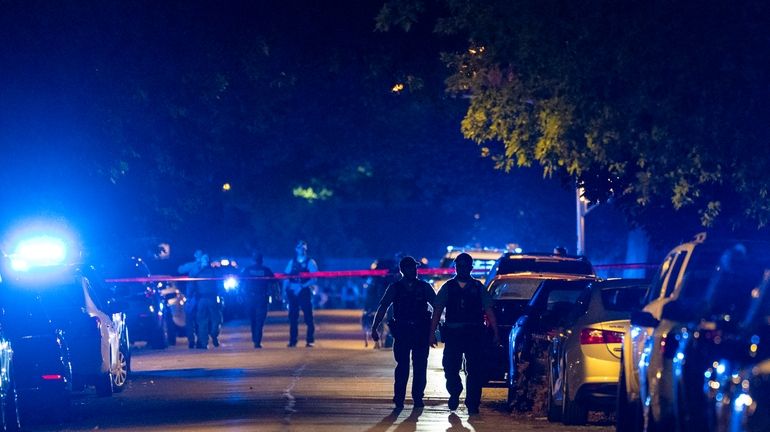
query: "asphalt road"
336, 386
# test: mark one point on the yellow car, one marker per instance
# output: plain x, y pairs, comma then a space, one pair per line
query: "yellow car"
583, 361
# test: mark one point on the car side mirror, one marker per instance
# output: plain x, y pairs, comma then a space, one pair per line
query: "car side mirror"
643, 319
676, 311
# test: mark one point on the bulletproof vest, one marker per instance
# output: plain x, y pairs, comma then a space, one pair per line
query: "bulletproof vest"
297, 268
206, 288
464, 304
410, 302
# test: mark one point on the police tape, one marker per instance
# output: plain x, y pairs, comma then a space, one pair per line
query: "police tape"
339, 274
281, 276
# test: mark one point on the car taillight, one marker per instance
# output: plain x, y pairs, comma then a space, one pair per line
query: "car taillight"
52, 377
589, 336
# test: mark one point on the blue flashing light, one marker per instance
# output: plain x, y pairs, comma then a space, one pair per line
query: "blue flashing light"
40, 251
231, 283
518, 250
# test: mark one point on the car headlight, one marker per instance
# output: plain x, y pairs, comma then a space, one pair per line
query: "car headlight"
231, 283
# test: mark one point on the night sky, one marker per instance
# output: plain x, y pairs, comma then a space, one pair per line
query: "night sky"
127, 118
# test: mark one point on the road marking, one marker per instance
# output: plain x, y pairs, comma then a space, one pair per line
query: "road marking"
290, 400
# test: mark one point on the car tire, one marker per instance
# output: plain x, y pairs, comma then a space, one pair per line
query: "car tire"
161, 335
553, 412
574, 412
628, 413
120, 378
103, 385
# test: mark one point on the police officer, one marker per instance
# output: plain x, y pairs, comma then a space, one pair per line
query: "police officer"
466, 301
258, 284
299, 293
412, 301
191, 269
209, 313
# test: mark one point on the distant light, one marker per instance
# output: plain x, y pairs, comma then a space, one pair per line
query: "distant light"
397, 88
226, 187
518, 250
743, 400
225, 262
477, 216
231, 283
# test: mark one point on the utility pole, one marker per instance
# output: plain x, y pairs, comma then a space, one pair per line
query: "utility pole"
583, 209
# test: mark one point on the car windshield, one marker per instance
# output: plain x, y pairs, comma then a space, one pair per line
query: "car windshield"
544, 265
514, 289
623, 299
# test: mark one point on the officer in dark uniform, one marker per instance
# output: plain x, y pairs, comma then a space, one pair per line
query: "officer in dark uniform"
258, 284
466, 301
209, 312
299, 293
412, 301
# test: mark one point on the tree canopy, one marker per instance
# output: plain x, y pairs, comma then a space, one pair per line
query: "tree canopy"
658, 106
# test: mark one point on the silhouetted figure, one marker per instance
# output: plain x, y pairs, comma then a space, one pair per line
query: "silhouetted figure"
257, 285
209, 311
560, 250
191, 269
412, 301
466, 301
299, 294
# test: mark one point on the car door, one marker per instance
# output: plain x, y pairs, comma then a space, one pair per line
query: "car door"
636, 337
650, 338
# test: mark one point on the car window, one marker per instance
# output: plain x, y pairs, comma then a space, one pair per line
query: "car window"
674, 275
623, 299
514, 289
660, 277
562, 296
552, 291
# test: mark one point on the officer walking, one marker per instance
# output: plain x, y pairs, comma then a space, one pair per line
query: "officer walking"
299, 294
466, 301
191, 269
412, 301
258, 284
209, 313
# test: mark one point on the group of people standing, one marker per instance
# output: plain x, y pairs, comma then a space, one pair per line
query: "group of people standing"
203, 308
417, 311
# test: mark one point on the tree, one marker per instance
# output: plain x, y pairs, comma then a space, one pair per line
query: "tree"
659, 106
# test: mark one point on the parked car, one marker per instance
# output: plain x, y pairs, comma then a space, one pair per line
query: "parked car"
483, 261
41, 373
583, 359
529, 338
646, 391
542, 263
149, 303
708, 335
737, 383
75, 300
512, 282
